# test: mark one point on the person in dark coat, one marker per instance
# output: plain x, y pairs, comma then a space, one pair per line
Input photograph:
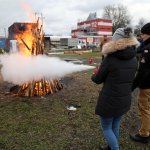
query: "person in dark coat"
142, 81
116, 72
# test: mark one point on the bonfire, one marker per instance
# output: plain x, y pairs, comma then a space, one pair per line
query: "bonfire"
30, 42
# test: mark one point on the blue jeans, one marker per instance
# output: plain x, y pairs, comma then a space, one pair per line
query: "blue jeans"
110, 127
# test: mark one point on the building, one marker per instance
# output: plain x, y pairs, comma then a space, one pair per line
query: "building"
93, 29
53, 41
19, 27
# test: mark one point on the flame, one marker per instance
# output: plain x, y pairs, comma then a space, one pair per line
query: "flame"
25, 40
29, 11
30, 39
40, 88
30, 42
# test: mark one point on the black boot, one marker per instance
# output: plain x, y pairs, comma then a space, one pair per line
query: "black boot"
104, 148
139, 138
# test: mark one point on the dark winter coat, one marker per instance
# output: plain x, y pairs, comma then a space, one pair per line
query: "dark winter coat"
116, 72
142, 79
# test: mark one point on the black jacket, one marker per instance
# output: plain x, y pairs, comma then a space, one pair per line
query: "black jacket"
142, 79
116, 72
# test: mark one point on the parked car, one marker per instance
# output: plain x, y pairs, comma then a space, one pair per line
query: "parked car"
90, 46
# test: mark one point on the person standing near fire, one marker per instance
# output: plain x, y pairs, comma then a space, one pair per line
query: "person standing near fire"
142, 81
116, 72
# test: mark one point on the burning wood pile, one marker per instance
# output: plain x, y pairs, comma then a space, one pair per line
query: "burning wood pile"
30, 42
37, 88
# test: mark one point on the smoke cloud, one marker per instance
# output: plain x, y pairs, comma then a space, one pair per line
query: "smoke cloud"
18, 69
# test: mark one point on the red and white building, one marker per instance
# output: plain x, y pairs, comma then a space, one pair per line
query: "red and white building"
92, 30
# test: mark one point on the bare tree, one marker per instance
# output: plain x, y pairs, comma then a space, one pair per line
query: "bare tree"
138, 27
118, 14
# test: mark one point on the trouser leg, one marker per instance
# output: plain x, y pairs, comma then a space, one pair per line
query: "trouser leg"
107, 127
116, 126
144, 109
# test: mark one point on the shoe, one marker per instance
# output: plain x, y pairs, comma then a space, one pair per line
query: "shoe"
139, 138
104, 148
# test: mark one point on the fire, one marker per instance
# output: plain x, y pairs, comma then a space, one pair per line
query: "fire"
25, 40
40, 88
30, 42
26, 35
29, 11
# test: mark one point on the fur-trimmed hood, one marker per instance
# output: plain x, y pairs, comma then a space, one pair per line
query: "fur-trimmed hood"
121, 44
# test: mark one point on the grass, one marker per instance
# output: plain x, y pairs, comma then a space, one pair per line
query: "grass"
84, 55
44, 123
40, 125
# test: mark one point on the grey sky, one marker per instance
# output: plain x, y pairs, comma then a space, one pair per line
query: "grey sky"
61, 15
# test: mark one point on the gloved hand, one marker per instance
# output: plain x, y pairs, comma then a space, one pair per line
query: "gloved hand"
96, 70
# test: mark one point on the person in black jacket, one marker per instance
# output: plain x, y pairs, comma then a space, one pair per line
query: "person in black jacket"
142, 81
116, 72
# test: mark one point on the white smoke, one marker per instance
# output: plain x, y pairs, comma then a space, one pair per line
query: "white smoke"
19, 69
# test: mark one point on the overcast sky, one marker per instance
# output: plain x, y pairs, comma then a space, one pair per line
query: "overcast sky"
60, 16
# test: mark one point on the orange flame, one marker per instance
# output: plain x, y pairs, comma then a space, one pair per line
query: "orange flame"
29, 11
25, 40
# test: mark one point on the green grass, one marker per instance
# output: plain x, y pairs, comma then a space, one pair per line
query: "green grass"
44, 123
84, 55
27, 125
